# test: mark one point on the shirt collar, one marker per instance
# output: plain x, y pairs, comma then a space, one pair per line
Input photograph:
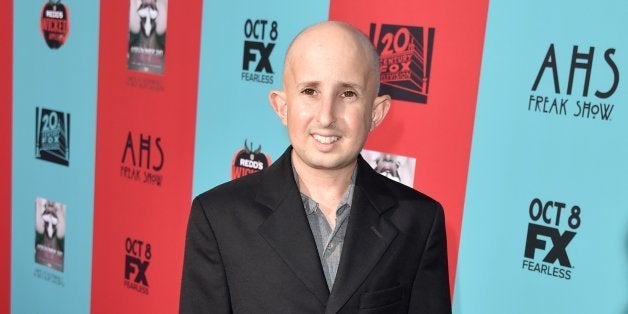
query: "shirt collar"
347, 198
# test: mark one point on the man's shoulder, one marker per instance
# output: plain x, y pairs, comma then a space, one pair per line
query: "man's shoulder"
237, 190
401, 193
404, 193
251, 190
412, 208
415, 213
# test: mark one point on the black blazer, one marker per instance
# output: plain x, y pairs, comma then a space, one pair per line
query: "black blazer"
249, 249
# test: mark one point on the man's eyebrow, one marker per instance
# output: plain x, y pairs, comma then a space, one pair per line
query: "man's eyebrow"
351, 85
308, 84
342, 84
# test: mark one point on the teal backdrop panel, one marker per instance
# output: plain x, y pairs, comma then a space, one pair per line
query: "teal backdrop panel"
54, 120
545, 226
242, 50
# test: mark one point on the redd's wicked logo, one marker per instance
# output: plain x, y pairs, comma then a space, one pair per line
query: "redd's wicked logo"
55, 23
247, 161
405, 60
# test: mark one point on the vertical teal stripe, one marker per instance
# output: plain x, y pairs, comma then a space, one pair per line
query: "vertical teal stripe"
230, 109
64, 79
519, 155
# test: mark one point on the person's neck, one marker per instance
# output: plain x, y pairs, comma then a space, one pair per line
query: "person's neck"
324, 186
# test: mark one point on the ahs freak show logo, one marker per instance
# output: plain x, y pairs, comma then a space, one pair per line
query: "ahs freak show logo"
55, 23
142, 159
137, 259
260, 37
552, 227
576, 101
247, 161
52, 136
405, 60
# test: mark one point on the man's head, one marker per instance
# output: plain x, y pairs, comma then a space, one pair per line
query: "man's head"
329, 102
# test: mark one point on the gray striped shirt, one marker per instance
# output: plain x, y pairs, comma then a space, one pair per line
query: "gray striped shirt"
329, 242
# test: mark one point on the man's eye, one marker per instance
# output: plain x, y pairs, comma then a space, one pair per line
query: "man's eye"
348, 94
308, 91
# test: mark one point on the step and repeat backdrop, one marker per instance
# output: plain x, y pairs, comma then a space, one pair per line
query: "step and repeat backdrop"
6, 106
116, 113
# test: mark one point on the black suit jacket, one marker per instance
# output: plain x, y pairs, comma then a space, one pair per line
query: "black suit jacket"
249, 249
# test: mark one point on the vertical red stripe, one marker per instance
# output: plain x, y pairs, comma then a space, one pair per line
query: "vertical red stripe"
437, 133
6, 118
162, 107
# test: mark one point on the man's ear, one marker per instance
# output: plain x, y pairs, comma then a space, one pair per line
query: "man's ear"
277, 100
381, 104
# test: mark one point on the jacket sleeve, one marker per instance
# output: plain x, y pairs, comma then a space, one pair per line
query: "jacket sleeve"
203, 284
430, 291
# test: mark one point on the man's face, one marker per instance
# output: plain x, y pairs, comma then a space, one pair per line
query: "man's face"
329, 96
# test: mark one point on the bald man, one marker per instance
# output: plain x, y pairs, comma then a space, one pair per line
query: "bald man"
319, 231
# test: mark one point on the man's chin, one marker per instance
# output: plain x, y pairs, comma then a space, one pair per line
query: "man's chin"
330, 162
315, 159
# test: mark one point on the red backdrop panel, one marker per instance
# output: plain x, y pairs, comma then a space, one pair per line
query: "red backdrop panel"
436, 131
6, 117
145, 128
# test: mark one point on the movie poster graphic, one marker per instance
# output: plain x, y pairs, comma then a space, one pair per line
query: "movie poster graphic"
396, 167
49, 233
147, 35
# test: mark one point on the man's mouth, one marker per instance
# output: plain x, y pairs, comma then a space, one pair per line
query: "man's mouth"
325, 139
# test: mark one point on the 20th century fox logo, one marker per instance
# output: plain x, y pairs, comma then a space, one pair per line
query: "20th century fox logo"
52, 136
259, 44
138, 255
545, 244
405, 60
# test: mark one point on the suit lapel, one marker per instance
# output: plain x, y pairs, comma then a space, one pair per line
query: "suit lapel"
287, 230
367, 238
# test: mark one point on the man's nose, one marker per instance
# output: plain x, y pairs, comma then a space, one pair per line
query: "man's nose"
326, 112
